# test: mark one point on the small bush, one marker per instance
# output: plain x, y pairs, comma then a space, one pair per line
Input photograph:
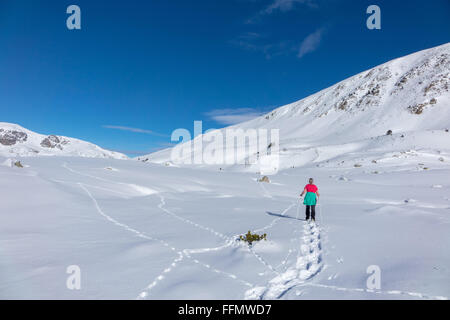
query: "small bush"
18, 164
250, 238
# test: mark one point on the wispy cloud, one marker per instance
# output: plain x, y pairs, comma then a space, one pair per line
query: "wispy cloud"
136, 130
233, 116
263, 44
286, 5
311, 42
260, 43
281, 6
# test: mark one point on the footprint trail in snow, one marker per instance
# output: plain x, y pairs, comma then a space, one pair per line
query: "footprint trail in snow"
309, 263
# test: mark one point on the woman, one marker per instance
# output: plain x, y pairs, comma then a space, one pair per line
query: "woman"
311, 198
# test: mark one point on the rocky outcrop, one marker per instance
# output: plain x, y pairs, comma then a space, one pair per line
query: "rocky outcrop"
53, 141
17, 141
11, 137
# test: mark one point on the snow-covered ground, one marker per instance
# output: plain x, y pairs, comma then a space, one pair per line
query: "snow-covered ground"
155, 229
148, 231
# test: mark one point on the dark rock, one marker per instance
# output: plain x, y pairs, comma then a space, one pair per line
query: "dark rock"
11, 137
53, 142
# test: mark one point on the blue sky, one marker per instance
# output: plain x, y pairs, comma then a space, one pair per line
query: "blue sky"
137, 69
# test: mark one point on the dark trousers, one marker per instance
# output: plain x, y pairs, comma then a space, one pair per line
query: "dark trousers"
311, 211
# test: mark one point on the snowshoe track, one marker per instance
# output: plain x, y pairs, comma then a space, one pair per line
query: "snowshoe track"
309, 263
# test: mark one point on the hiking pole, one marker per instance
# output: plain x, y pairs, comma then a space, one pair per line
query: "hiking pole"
320, 211
298, 207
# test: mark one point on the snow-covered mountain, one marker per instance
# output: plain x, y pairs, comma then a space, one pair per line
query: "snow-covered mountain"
409, 96
18, 141
146, 231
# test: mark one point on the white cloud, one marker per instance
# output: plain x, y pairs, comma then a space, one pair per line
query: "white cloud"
137, 130
311, 42
233, 116
286, 5
281, 6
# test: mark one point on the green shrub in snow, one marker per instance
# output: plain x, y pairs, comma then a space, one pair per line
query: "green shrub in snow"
250, 238
18, 164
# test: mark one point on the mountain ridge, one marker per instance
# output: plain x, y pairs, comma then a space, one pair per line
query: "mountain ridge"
406, 95
16, 140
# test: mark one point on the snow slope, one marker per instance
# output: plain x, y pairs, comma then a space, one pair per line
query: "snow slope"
18, 141
158, 231
146, 231
409, 96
